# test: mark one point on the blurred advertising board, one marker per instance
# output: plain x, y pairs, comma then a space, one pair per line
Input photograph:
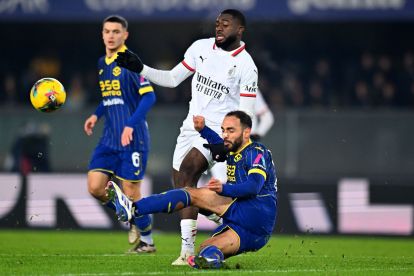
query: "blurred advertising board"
322, 206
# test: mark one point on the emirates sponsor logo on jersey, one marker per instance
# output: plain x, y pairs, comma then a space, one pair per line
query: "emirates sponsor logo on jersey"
211, 88
251, 88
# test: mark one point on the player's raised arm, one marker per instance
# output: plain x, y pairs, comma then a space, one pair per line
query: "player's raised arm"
166, 78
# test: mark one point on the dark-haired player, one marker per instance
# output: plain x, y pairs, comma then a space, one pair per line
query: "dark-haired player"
247, 202
224, 78
122, 151
263, 120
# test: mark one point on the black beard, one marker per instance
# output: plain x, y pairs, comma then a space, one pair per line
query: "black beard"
236, 145
227, 42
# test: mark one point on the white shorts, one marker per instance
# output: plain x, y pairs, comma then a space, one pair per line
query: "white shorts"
187, 139
185, 142
219, 171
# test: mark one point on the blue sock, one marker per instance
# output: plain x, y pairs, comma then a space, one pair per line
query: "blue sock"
213, 255
166, 202
110, 205
144, 224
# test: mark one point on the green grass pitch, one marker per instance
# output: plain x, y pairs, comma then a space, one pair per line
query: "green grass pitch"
102, 253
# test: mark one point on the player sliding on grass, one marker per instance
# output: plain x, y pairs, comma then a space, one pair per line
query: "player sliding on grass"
262, 122
247, 202
224, 79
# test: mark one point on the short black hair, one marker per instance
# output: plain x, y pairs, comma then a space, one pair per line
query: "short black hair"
244, 118
236, 14
117, 19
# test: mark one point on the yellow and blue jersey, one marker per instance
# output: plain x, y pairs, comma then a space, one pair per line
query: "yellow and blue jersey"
122, 91
252, 183
252, 158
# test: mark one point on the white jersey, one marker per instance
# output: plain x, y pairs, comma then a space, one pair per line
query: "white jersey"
220, 79
222, 82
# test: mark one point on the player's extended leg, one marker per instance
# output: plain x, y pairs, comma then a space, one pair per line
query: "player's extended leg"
191, 168
168, 202
146, 244
214, 250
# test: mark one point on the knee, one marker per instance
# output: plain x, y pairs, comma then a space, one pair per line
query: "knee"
194, 195
185, 179
96, 191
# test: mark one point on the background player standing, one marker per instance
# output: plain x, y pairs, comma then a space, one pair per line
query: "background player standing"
247, 202
123, 148
224, 78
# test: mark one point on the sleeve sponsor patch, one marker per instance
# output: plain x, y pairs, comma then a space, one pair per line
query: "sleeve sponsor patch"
259, 162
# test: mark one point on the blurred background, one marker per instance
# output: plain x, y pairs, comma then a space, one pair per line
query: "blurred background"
337, 75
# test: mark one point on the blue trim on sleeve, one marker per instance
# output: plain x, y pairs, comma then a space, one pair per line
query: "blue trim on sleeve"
145, 104
99, 110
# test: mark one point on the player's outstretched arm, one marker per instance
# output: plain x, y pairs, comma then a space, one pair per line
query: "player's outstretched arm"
167, 78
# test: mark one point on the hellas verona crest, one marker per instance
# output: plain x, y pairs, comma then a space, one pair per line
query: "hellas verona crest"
116, 71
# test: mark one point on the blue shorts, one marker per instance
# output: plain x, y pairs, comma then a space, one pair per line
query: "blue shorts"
253, 221
125, 165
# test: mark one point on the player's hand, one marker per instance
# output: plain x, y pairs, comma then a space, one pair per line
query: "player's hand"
215, 185
255, 137
90, 124
126, 136
199, 122
130, 61
218, 151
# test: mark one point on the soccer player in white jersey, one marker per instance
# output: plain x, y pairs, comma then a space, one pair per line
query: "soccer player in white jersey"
224, 79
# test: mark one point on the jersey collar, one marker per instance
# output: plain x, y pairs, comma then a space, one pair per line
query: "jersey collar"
235, 52
111, 59
242, 148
